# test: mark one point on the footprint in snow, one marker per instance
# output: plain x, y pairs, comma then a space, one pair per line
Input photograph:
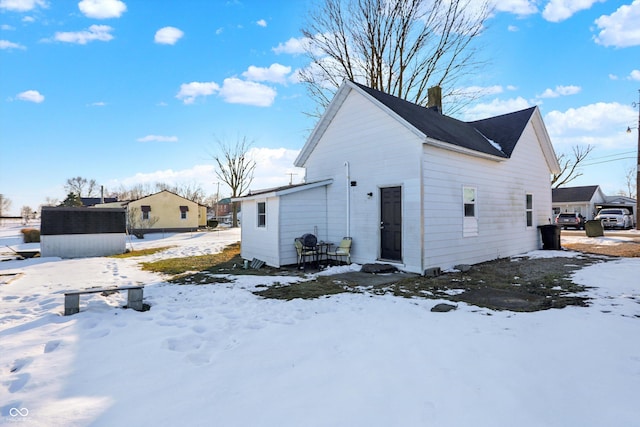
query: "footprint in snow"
51, 346
184, 344
99, 334
18, 364
199, 358
19, 383
90, 324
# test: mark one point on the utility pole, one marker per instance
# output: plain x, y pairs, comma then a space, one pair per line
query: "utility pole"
217, 200
637, 105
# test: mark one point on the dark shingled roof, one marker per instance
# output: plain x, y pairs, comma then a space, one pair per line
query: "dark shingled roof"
573, 194
503, 131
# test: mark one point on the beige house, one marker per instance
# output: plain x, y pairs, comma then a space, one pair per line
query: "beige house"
166, 211
163, 211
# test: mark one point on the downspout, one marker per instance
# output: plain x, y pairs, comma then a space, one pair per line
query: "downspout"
348, 173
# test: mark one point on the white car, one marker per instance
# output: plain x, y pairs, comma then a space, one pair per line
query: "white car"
615, 218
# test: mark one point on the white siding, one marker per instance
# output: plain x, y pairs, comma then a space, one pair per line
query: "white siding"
301, 212
380, 152
82, 245
501, 203
288, 216
260, 242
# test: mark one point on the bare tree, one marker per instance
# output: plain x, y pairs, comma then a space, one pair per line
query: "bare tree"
50, 201
235, 168
5, 205
138, 223
630, 183
78, 185
27, 213
192, 191
569, 165
401, 47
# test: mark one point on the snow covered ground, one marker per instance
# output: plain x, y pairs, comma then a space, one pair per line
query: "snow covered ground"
218, 355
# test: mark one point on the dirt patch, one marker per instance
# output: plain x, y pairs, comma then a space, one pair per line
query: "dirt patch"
515, 284
627, 250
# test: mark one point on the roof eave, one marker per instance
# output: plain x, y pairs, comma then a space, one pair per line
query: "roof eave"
282, 192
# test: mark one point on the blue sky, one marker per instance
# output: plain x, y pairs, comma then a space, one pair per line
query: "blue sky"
128, 92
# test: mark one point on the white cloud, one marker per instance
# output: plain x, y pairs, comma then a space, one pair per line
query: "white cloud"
102, 9
635, 75
7, 45
518, 7
495, 108
94, 32
262, 23
620, 29
190, 91
233, 91
613, 77
276, 73
158, 138
7, 27
30, 96
98, 104
560, 91
273, 166
236, 91
293, 46
22, 5
29, 19
168, 35
513, 28
560, 10
600, 124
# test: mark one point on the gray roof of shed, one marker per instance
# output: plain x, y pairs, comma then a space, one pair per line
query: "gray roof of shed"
480, 135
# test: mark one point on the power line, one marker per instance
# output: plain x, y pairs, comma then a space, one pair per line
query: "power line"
613, 155
607, 161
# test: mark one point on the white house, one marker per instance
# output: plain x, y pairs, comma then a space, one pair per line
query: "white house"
411, 186
582, 200
588, 200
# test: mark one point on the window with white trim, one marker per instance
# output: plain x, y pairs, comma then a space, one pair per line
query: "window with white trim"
470, 211
469, 196
262, 214
529, 209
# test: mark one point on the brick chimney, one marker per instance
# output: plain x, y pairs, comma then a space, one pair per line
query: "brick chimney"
434, 98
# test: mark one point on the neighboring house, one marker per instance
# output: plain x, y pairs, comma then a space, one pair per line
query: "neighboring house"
412, 187
588, 200
582, 200
167, 211
81, 232
163, 211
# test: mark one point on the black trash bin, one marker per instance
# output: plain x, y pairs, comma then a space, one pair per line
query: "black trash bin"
550, 237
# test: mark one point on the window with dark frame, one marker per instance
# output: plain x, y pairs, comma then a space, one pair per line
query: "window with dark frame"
262, 214
145, 211
529, 210
183, 212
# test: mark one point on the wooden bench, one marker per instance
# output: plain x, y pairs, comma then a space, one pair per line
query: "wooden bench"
72, 299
